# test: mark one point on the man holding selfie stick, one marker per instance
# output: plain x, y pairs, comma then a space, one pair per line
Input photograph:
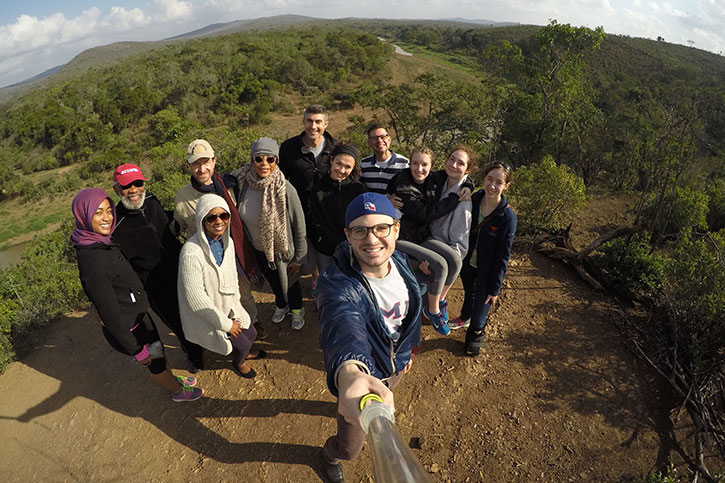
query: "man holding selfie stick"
369, 305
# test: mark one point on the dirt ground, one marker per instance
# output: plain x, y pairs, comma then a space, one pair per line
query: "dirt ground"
555, 396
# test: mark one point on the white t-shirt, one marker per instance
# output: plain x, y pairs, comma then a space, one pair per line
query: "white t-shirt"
392, 295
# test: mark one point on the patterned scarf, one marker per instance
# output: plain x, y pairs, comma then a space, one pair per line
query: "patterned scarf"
273, 218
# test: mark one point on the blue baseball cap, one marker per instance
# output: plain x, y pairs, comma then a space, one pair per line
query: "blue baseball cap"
368, 204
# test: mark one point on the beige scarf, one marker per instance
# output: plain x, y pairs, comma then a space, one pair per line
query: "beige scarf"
273, 218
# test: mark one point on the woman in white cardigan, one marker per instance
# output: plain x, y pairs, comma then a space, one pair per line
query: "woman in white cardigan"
208, 288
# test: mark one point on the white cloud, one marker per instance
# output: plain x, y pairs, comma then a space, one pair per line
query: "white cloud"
173, 10
654, 6
120, 19
673, 12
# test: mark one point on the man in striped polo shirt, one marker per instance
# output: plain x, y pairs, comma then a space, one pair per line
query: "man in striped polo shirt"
379, 169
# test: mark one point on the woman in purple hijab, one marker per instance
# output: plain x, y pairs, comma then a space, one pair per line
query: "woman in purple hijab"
117, 293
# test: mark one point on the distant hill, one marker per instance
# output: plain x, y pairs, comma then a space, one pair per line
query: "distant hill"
106, 54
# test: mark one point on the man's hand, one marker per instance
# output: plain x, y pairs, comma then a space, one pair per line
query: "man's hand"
492, 299
396, 201
293, 268
353, 384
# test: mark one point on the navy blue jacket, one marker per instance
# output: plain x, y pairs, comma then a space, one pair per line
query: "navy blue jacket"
493, 240
351, 324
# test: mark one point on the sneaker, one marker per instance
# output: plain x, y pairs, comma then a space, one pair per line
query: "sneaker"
437, 321
196, 365
187, 394
334, 472
443, 308
313, 291
279, 314
458, 323
298, 318
188, 381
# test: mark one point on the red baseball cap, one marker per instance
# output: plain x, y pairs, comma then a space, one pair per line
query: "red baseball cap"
127, 174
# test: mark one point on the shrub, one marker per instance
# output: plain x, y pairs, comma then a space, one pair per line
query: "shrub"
544, 195
630, 264
43, 286
716, 208
685, 210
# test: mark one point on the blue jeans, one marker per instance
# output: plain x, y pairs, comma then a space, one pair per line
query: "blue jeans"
476, 293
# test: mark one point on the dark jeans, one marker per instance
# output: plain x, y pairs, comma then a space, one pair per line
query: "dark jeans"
349, 440
242, 344
474, 307
293, 297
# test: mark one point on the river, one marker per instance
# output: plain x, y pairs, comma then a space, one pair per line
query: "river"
12, 254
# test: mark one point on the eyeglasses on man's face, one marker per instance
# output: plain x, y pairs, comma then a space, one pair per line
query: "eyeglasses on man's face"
138, 183
381, 230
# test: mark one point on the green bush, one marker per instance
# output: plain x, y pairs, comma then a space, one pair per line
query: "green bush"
44, 285
630, 264
716, 207
545, 195
684, 210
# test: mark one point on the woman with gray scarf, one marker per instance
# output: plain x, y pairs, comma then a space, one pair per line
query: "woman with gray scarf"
272, 216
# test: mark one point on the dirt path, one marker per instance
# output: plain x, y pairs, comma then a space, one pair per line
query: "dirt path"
555, 397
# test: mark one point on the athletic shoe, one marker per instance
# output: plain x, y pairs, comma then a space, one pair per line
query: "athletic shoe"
187, 394
443, 308
438, 322
334, 472
279, 314
298, 318
458, 323
196, 365
189, 381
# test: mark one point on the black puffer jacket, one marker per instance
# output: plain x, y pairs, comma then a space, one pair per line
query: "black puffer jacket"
116, 291
328, 202
420, 202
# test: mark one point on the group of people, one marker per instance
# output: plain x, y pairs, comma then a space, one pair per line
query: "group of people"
384, 238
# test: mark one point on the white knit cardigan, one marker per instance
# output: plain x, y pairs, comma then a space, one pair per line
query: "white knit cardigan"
208, 293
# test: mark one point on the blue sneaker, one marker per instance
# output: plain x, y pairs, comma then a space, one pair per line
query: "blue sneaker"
443, 308
437, 321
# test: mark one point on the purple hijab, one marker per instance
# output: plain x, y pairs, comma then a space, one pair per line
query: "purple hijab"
84, 206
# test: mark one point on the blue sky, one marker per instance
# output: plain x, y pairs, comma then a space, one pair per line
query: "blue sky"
38, 35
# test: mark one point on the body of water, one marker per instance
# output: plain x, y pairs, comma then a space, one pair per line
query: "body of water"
11, 255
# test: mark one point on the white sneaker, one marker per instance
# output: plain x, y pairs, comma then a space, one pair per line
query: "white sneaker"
298, 320
279, 314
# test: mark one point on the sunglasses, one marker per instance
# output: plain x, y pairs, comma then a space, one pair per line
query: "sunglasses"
138, 183
269, 159
211, 217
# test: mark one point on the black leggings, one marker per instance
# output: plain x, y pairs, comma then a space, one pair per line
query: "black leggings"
146, 334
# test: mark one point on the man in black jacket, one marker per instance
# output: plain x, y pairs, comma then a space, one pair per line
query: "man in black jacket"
143, 234
304, 158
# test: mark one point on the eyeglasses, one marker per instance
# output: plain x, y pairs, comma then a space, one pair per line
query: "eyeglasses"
211, 217
262, 158
381, 230
138, 183
382, 136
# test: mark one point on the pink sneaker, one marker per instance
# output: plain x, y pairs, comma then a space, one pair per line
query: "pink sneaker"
187, 394
188, 381
458, 323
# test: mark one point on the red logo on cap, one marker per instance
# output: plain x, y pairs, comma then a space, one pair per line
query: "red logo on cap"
370, 206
